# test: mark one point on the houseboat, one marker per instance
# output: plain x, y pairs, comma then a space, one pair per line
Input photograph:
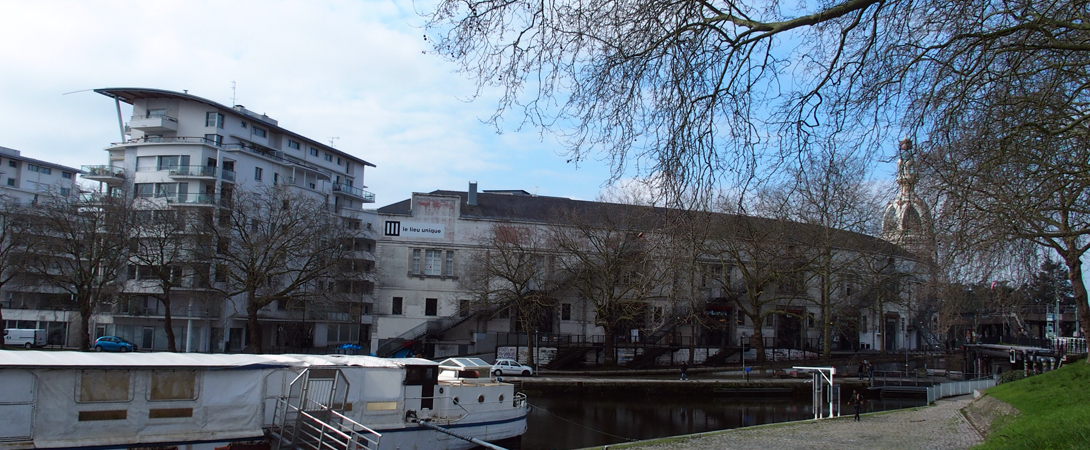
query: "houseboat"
188, 401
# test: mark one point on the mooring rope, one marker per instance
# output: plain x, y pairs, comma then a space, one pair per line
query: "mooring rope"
579, 424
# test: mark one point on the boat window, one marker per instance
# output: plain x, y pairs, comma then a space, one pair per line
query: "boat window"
173, 385
105, 386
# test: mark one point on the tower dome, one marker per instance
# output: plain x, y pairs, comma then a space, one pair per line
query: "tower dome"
907, 221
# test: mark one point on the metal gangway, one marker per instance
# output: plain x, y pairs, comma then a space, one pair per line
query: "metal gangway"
311, 416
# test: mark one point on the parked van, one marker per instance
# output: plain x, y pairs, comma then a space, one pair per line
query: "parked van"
25, 337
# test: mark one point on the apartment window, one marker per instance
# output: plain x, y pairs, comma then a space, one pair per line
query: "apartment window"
259, 132
160, 112
293, 144
65, 191
172, 162
431, 307
328, 157
13, 164
213, 139
257, 173
11, 182
565, 311
448, 267
339, 160
46, 170
214, 119
395, 307
66, 175
243, 124
313, 151
433, 260
416, 262
32, 167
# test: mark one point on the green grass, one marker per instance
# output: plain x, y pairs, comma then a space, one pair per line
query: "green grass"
1055, 411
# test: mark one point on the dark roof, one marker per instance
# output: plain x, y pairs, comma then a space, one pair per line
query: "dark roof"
35, 161
131, 94
541, 209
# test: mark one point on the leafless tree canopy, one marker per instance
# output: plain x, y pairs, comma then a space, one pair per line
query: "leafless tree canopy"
716, 90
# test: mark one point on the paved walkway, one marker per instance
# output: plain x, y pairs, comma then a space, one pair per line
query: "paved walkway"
938, 427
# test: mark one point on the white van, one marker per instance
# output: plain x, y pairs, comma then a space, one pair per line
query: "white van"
24, 337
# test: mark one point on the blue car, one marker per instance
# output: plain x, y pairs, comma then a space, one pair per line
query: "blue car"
113, 344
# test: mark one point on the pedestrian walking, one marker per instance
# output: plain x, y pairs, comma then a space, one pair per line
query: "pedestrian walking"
862, 366
856, 400
870, 372
684, 371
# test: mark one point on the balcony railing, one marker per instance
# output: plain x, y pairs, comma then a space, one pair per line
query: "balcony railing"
168, 140
103, 172
228, 175
155, 115
193, 171
354, 191
188, 199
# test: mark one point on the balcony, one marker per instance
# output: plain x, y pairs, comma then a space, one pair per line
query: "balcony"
227, 175
107, 174
154, 123
192, 171
182, 199
366, 197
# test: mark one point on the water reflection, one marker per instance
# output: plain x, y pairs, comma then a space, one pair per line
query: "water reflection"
566, 422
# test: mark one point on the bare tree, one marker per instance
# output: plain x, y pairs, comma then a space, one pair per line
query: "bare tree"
278, 244
15, 242
608, 257
513, 274
82, 248
698, 90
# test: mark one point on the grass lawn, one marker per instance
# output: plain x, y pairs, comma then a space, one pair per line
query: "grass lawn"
1055, 410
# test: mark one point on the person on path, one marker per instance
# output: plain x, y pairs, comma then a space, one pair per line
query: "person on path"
856, 400
870, 371
861, 367
684, 371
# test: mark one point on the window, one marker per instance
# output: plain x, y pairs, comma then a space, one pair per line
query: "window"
416, 262
32, 167
159, 112
448, 268
243, 124
66, 175
432, 262
395, 308
293, 144
431, 307
339, 160
257, 173
214, 119
172, 162
328, 157
565, 311
13, 164
11, 182
213, 139
65, 191
313, 151
259, 132
47, 170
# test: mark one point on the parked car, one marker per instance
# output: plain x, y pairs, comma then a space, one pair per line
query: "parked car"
510, 367
25, 337
113, 344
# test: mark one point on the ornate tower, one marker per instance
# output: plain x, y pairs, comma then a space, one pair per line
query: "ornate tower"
907, 221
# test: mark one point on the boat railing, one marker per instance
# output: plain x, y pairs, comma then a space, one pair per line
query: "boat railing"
519, 401
305, 430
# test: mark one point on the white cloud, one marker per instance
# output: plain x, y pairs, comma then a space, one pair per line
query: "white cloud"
351, 70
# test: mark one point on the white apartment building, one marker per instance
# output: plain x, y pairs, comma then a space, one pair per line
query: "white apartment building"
185, 151
24, 179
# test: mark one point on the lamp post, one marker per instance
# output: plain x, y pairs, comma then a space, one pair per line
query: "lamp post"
743, 353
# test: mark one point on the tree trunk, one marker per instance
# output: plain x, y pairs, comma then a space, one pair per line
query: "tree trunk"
171, 346
1078, 290
254, 327
85, 325
608, 348
758, 337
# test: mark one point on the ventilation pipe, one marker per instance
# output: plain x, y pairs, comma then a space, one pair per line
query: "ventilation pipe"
472, 197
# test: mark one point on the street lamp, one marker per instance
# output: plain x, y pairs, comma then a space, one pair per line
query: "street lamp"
743, 353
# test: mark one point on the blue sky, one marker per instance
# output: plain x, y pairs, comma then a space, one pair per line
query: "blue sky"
353, 70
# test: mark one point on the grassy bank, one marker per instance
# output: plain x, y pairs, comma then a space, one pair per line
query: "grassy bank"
1055, 411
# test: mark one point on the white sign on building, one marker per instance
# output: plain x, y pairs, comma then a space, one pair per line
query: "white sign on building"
414, 229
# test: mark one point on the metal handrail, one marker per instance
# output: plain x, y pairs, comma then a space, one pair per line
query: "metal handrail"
348, 434
193, 171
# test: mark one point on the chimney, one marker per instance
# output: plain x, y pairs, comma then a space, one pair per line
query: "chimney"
471, 199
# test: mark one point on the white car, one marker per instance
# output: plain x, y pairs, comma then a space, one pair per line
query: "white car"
510, 367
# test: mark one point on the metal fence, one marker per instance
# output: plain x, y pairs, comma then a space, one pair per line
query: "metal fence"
951, 389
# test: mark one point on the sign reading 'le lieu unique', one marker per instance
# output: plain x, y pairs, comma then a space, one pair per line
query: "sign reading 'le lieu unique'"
414, 229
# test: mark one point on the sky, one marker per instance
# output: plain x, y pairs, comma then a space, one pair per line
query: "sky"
356, 74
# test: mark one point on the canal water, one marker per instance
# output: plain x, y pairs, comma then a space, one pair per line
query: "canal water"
576, 421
